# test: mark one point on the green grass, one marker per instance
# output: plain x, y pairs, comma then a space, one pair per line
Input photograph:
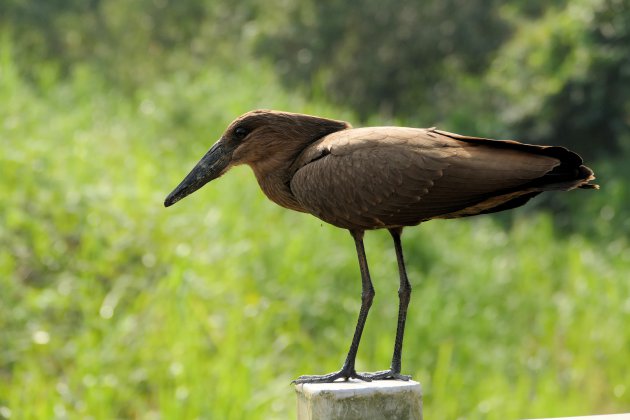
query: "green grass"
113, 307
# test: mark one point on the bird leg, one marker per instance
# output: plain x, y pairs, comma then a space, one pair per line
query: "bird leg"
404, 294
367, 295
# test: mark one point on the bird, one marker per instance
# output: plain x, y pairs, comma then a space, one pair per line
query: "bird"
368, 178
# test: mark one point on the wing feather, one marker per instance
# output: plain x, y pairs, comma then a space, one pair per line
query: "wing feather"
389, 176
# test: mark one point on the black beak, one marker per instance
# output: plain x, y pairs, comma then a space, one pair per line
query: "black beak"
211, 166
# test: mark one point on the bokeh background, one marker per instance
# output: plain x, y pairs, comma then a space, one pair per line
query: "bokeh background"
113, 307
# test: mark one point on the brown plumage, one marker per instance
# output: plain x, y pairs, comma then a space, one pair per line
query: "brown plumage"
382, 177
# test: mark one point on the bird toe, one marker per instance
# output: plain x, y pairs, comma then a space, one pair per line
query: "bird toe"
386, 375
331, 377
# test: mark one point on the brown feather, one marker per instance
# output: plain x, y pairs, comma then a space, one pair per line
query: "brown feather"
378, 177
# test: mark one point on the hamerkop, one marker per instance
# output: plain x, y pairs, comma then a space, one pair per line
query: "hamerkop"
382, 178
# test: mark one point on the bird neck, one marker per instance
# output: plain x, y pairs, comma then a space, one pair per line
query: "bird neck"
278, 146
276, 185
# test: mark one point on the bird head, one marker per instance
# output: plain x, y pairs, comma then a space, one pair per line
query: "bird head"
266, 140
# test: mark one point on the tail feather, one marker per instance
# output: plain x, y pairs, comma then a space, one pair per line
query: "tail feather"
568, 175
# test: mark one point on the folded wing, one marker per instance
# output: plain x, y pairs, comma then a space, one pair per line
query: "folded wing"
370, 178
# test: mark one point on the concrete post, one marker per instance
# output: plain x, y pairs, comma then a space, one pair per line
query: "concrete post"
360, 400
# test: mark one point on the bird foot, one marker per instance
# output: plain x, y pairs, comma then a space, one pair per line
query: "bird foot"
385, 374
344, 374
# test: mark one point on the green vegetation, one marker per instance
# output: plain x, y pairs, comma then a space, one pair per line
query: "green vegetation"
113, 307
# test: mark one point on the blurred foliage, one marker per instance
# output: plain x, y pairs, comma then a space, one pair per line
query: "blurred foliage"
565, 78
128, 42
112, 307
396, 57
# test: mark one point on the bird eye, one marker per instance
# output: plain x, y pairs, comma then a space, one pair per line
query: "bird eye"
240, 132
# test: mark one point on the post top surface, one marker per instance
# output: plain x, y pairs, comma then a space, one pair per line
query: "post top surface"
355, 387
